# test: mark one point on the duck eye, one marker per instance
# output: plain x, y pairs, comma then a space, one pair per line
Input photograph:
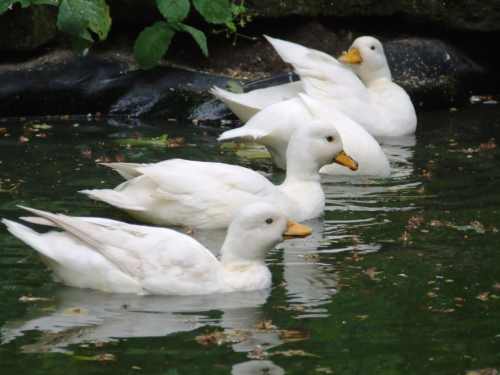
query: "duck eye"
330, 138
269, 221
372, 48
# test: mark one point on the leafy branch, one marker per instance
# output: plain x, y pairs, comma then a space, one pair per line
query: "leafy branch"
89, 20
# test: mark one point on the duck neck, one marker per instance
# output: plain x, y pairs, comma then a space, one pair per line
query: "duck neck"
230, 252
372, 76
300, 167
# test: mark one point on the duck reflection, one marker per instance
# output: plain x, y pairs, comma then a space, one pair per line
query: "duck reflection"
308, 282
79, 316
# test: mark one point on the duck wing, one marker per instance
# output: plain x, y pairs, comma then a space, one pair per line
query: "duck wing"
156, 257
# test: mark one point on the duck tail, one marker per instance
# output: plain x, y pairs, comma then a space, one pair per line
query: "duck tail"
112, 197
29, 237
244, 132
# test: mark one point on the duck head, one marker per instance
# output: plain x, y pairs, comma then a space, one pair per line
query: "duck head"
367, 58
256, 229
314, 145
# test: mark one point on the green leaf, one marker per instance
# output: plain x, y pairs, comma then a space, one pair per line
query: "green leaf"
77, 17
6, 5
174, 10
152, 43
214, 11
45, 2
198, 36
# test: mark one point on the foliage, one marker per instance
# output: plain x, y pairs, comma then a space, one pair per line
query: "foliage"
89, 20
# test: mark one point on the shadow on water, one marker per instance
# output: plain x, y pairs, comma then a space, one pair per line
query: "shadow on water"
400, 276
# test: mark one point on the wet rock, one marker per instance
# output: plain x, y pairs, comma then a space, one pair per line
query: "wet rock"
458, 14
28, 28
435, 74
82, 85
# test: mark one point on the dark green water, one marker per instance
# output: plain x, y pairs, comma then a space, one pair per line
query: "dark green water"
402, 275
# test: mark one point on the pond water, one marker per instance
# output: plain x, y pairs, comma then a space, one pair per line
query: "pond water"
402, 275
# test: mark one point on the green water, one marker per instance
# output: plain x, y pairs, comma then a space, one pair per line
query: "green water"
400, 276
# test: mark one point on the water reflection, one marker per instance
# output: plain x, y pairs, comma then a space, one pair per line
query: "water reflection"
308, 282
77, 316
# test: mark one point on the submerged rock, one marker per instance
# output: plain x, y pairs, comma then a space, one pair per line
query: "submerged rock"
82, 85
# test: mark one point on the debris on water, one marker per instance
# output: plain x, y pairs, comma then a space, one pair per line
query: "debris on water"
41, 126
103, 357
293, 353
257, 353
161, 141
248, 151
372, 273
484, 371
324, 370
484, 99
26, 299
485, 296
414, 222
222, 337
265, 325
292, 335
75, 311
361, 317
490, 145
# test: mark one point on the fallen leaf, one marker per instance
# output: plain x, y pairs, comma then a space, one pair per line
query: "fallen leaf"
485, 296
75, 311
292, 335
414, 222
484, 371
478, 227
104, 357
372, 273
33, 299
293, 353
257, 353
362, 317
490, 145
265, 325
222, 337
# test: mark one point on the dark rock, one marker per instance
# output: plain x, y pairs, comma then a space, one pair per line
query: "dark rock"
435, 74
84, 85
477, 15
28, 28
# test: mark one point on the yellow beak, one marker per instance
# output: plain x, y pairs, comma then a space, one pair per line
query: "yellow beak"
294, 229
353, 56
345, 160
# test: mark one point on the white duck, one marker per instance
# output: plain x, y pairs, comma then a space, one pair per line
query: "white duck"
117, 257
274, 125
360, 86
206, 195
